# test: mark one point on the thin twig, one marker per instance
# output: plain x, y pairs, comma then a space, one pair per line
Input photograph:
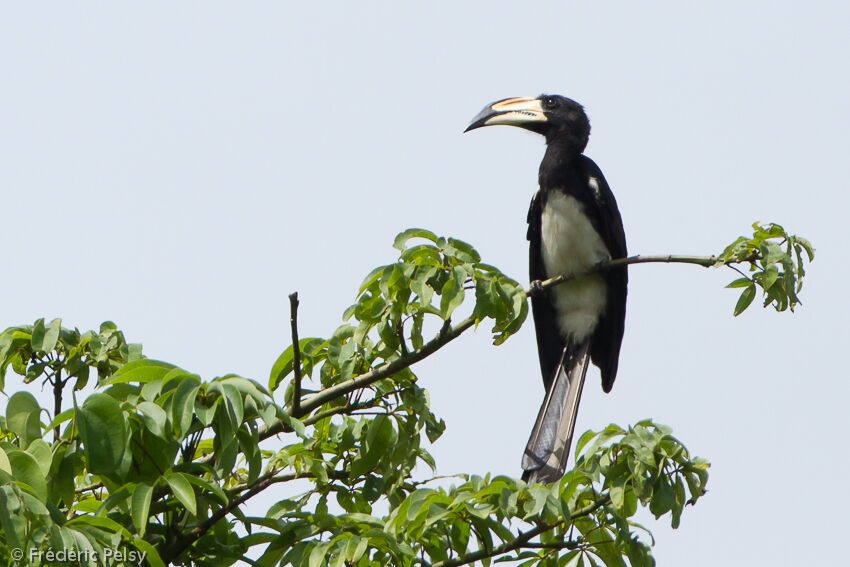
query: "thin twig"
705, 261
296, 354
348, 408
89, 488
740, 272
57, 399
521, 540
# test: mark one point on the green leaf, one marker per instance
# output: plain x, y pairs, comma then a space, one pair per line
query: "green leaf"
42, 452
401, 239
23, 417
317, 556
5, 466
103, 431
15, 345
663, 498
26, 470
378, 439
51, 335
740, 282
62, 484
38, 332
423, 256
461, 250
140, 506
746, 298
810, 252
368, 282
151, 555
98, 522
153, 416
769, 276
233, 405
183, 405
142, 371
294, 424
285, 362
13, 522
208, 486
452, 293
182, 490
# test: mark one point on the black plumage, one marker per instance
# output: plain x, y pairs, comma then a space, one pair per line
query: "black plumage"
573, 224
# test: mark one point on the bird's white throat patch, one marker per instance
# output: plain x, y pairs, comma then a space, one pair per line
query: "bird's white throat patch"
570, 245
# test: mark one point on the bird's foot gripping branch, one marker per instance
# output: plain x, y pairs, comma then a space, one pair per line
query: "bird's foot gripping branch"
154, 459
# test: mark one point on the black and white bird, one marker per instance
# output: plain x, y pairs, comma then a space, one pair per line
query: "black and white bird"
573, 225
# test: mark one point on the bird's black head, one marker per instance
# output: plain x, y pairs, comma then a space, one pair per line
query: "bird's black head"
560, 119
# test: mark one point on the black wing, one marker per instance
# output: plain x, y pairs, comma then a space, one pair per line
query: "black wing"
605, 349
550, 344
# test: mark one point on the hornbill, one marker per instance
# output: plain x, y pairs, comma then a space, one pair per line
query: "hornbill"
573, 225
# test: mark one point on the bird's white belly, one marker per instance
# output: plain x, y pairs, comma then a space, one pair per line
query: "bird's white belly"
570, 245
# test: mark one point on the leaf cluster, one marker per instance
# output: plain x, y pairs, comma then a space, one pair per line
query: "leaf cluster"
395, 302
776, 266
584, 518
48, 351
159, 460
154, 450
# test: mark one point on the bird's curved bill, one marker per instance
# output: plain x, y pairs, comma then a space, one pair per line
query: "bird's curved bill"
518, 111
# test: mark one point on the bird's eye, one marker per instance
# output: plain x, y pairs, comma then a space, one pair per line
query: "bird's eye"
549, 103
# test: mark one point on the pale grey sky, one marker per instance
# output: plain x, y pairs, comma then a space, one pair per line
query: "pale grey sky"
180, 168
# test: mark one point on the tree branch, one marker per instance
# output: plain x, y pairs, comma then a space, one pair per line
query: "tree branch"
704, 261
248, 491
446, 335
348, 408
187, 538
296, 354
522, 539
449, 333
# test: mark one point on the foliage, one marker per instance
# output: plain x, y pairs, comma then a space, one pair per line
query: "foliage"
157, 461
775, 259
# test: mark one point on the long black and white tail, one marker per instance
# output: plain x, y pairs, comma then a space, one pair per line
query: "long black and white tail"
548, 449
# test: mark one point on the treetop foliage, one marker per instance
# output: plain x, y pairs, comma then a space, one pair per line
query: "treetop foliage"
152, 458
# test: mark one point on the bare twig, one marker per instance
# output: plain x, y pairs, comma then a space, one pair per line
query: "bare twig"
705, 261
296, 354
57, 399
